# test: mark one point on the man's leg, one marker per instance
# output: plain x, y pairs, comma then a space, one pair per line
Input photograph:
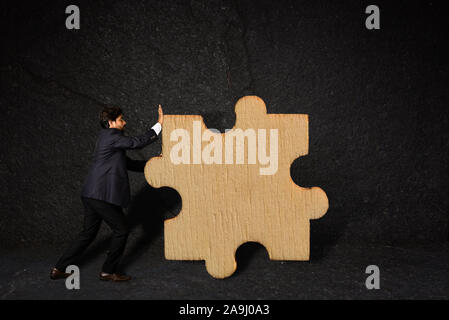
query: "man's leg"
115, 219
92, 222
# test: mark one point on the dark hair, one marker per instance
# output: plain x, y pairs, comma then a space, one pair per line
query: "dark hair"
109, 113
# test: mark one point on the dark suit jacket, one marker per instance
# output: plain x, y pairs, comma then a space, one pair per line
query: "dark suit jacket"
107, 179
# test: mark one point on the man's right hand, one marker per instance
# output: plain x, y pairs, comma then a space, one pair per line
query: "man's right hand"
161, 115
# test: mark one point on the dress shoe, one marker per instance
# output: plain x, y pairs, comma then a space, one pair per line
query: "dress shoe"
56, 274
114, 277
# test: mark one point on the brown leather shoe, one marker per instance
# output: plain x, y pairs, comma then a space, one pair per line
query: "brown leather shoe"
114, 277
56, 274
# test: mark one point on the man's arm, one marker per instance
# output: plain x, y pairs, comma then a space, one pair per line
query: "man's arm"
141, 141
139, 165
136, 142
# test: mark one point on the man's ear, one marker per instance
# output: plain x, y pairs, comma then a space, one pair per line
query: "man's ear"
111, 124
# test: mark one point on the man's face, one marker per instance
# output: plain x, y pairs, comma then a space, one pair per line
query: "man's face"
119, 123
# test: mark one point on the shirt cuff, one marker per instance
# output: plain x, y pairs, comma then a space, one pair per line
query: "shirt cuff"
157, 128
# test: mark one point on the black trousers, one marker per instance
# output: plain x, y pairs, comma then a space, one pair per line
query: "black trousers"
95, 211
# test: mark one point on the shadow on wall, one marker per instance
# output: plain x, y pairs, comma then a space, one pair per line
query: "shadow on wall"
148, 210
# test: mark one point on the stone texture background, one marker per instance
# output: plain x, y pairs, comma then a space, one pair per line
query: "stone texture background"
377, 104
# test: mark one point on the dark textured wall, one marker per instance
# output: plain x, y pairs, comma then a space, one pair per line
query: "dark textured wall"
376, 100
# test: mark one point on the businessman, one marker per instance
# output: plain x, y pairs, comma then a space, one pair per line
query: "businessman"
106, 191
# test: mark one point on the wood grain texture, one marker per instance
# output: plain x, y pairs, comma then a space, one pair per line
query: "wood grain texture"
225, 205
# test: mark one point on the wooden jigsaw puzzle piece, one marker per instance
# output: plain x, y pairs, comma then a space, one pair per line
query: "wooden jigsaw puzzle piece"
227, 204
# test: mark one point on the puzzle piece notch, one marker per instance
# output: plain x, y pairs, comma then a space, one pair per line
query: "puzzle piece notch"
226, 205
